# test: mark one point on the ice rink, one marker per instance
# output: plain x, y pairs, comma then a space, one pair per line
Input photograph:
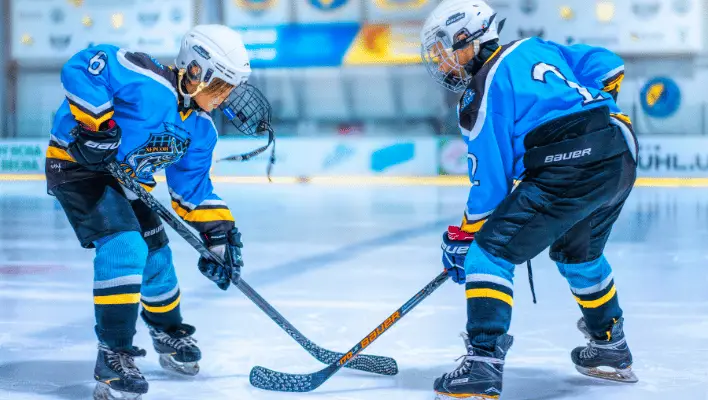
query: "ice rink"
336, 260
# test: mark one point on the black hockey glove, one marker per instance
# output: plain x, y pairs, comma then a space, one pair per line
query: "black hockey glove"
94, 149
227, 246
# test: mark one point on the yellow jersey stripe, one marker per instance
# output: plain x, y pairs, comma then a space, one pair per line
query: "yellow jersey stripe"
89, 120
206, 215
59, 154
471, 227
491, 293
114, 299
599, 302
162, 309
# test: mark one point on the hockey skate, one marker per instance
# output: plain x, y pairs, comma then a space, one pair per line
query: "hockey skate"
479, 376
117, 375
177, 349
611, 354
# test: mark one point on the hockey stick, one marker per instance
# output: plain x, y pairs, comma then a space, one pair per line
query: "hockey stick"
268, 379
367, 363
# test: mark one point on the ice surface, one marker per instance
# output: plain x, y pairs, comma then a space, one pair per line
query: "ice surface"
336, 261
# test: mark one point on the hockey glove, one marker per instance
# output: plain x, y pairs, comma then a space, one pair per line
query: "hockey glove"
227, 246
95, 149
455, 245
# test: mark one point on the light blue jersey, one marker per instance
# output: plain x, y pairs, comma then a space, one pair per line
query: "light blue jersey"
105, 82
522, 86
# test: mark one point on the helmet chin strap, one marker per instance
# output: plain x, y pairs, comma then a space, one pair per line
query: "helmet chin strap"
187, 97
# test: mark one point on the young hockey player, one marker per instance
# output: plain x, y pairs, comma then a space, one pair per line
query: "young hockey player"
126, 106
545, 115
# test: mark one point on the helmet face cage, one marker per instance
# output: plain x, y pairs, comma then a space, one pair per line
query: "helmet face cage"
441, 61
248, 110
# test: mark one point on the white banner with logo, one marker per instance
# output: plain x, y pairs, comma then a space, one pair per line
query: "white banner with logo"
329, 11
250, 13
333, 156
661, 156
625, 26
382, 11
22, 156
57, 29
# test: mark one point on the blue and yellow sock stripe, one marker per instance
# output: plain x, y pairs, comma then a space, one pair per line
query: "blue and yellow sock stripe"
598, 298
117, 291
489, 290
161, 304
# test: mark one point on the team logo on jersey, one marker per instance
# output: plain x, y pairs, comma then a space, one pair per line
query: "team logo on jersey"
400, 5
257, 6
467, 98
529, 6
158, 152
328, 5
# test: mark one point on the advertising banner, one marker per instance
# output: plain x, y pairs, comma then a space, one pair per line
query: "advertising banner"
257, 12
57, 29
332, 156
383, 11
288, 46
386, 44
642, 27
22, 157
661, 156
329, 11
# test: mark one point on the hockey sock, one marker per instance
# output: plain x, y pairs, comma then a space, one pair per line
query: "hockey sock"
118, 267
489, 291
593, 287
160, 294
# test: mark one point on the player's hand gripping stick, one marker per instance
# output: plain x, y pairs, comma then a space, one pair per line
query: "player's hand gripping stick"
367, 363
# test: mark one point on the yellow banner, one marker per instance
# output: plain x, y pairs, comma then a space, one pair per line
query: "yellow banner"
385, 45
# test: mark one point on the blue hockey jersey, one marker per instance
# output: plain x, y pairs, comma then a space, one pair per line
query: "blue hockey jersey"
523, 85
141, 96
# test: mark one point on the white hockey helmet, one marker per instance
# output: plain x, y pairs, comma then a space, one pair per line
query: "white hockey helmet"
454, 25
212, 51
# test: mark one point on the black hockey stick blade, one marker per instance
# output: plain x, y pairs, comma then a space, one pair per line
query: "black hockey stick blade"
268, 379
366, 363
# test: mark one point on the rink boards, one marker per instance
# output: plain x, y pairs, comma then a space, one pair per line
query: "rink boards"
663, 160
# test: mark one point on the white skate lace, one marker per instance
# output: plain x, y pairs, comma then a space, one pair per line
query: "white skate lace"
177, 343
589, 351
463, 368
123, 363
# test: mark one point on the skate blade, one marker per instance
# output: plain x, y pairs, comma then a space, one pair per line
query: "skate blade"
104, 392
169, 363
451, 396
618, 375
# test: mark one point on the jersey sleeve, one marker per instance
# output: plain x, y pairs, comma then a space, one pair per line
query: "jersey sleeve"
490, 166
90, 80
192, 192
595, 67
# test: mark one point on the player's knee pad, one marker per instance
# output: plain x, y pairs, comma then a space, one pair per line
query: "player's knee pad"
120, 255
159, 276
480, 262
587, 277
160, 295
